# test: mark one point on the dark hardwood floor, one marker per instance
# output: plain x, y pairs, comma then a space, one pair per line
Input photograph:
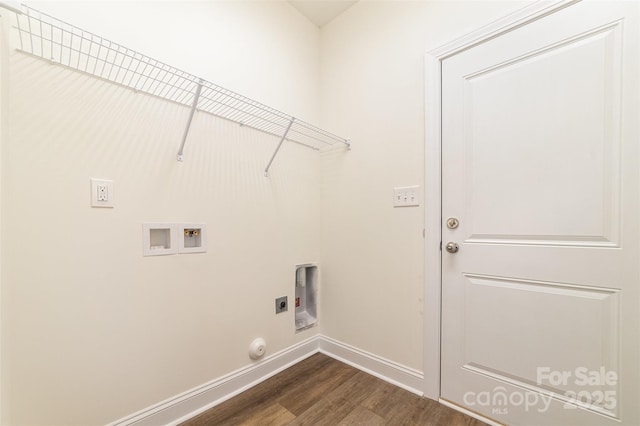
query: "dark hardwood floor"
323, 391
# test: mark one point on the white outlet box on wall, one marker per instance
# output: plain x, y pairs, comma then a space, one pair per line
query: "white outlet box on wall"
101, 193
159, 239
192, 238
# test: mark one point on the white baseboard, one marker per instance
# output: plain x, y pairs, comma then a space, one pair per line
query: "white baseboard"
195, 401
389, 371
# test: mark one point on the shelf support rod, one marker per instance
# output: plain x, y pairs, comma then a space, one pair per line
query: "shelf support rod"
284, 136
196, 97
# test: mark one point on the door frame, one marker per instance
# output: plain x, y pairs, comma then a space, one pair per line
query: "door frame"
433, 175
4, 108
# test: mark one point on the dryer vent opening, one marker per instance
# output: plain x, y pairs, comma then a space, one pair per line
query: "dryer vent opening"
306, 296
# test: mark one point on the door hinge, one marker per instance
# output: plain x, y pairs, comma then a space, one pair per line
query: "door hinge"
440, 245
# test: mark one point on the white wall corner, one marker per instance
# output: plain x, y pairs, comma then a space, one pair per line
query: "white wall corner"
189, 404
389, 371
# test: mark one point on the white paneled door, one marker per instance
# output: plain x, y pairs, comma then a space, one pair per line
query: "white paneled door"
540, 161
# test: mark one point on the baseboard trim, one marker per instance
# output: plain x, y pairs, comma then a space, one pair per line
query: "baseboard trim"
389, 371
197, 400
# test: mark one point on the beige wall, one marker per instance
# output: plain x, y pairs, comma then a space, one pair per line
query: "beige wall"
262, 49
372, 90
92, 330
95, 331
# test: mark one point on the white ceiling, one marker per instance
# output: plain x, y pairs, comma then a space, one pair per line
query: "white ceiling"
320, 12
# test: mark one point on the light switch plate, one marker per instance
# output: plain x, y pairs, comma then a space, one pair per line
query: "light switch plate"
406, 196
101, 193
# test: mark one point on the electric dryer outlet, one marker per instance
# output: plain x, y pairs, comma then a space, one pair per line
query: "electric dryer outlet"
281, 304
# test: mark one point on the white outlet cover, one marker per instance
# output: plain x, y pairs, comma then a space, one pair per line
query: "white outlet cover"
101, 183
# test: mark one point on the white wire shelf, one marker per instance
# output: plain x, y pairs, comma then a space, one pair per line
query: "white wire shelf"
46, 37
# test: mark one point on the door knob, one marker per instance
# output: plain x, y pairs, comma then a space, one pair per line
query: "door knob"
452, 247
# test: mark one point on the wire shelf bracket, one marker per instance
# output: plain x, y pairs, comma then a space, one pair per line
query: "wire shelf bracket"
196, 97
284, 136
49, 38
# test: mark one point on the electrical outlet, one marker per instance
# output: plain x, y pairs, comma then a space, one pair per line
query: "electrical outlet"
281, 304
406, 196
101, 193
